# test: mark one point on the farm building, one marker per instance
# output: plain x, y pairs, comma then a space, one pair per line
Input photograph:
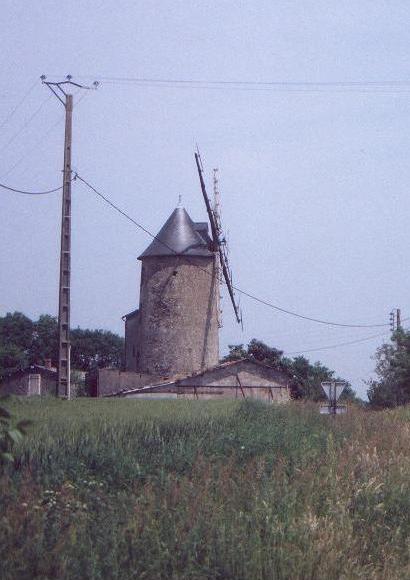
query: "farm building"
32, 380
230, 380
38, 380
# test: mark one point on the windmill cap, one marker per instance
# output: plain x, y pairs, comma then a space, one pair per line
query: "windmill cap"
180, 236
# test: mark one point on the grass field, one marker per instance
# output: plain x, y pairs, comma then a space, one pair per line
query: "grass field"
121, 489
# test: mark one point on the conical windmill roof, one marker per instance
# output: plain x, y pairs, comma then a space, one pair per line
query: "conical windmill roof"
179, 236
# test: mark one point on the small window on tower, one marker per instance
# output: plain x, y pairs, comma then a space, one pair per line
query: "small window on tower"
133, 350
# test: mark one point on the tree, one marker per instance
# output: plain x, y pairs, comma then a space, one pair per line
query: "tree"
256, 350
11, 358
44, 340
259, 351
236, 352
308, 378
16, 328
392, 385
92, 349
16, 331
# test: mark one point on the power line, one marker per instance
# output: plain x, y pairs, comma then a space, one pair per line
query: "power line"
34, 148
330, 346
237, 289
397, 83
13, 111
28, 121
41, 139
30, 192
311, 319
287, 86
119, 210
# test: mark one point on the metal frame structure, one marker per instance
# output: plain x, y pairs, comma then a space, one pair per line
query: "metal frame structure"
218, 239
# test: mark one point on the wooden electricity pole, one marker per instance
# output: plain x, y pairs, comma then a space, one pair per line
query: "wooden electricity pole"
64, 351
63, 379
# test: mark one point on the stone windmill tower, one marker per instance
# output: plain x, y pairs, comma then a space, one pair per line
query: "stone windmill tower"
175, 330
171, 340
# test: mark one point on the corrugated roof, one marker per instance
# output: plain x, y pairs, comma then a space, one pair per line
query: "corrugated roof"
179, 236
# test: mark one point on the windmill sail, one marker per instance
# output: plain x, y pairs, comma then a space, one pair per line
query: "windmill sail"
217, 237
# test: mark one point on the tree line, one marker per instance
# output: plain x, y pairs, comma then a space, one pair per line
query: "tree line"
25, 342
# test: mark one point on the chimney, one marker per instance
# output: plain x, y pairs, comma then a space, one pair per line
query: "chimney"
47, 363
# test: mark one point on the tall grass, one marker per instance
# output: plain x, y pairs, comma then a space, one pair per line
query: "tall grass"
127, 489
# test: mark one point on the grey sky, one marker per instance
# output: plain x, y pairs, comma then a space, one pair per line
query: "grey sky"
313, 185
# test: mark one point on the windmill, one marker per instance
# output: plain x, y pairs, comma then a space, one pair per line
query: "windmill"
218, 239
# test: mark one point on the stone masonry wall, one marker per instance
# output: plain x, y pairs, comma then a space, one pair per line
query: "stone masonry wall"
178, 326
111, 381
131, 342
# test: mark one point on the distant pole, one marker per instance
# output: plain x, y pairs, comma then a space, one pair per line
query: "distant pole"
398, 319
392, 321
395, 320
64, 366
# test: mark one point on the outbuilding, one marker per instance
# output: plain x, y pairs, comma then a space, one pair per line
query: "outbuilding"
32, 380
240, 379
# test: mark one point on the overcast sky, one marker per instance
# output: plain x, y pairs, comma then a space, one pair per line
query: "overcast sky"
314, 183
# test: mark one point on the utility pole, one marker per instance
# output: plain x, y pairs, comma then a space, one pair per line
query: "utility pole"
395, 320
392, 321
398, 318
64, 363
